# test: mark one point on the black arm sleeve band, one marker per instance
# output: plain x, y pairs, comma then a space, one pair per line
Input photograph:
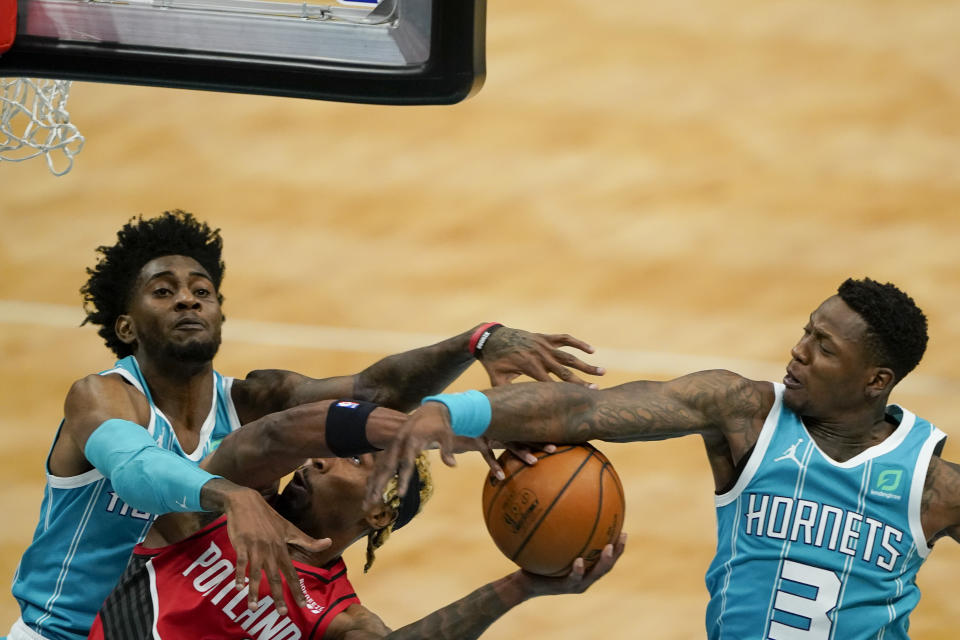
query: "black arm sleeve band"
346, 428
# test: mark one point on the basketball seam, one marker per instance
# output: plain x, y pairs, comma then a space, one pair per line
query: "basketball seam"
503, 483
546, 512
596, 517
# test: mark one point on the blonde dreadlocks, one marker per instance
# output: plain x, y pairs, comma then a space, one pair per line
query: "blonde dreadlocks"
391, 498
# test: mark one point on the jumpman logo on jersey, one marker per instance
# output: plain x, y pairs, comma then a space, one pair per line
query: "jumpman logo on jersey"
791, 453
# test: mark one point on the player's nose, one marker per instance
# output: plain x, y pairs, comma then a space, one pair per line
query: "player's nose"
185, 299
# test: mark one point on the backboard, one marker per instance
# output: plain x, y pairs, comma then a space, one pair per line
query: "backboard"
368, 51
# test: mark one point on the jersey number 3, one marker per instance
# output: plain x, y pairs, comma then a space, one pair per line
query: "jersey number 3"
814, 610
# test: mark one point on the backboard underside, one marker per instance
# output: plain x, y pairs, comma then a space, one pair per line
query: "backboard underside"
391, 52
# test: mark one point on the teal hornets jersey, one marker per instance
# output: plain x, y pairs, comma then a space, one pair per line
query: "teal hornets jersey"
813, 549
86, 531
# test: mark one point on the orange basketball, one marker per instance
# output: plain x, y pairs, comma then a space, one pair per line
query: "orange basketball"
545, 516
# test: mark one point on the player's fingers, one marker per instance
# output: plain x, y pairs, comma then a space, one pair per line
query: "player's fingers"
566, 374
620, 545
386, 466
405, 468
567, 340
607, 559
495, 469
522, 452
293, 581
446, 451
576, 573
298, 538
254, 585
536, 370
242, 560
570, 360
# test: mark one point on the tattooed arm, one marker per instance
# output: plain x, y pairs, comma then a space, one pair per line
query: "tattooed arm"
720, 405
940, 506
704, 402
400, 381
470, 616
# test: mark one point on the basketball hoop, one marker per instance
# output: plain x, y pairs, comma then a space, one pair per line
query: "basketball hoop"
34, 121
33, 114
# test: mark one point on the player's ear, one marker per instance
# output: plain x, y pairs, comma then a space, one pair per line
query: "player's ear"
880, 382
379, 516
123, 327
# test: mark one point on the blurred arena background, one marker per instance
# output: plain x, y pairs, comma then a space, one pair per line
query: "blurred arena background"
679, 184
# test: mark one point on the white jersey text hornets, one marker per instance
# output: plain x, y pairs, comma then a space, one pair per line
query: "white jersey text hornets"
809, 548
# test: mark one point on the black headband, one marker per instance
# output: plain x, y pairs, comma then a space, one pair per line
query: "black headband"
410, 503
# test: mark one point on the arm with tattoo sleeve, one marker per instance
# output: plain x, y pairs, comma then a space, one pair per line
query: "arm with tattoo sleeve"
470, 616
704, 402
400, 381
713, 403
940, 505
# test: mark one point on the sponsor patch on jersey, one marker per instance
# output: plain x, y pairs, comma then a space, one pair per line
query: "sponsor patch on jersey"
888, 482
311, 603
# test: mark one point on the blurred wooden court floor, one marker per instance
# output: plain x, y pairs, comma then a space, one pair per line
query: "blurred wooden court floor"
679, 184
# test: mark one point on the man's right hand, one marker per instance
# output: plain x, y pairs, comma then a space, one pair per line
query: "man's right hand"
259, 536
427, 428
578, 580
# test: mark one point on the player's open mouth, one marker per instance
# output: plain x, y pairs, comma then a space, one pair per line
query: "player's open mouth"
299, 480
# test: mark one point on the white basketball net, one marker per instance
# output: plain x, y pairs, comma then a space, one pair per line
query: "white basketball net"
34, 121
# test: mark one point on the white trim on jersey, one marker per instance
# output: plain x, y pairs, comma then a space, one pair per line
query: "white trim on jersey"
916, 490
126, 375
132, 379
208, 424
890, 443
20, 631
71, 552
231, 409
72, 482
759, 450
154, 598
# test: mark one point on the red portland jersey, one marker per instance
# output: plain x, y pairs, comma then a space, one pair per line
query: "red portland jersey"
187, 591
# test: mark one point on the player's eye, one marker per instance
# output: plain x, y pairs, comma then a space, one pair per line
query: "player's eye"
203, 293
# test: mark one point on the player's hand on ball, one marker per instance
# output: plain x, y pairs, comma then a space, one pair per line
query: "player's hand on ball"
522, 450
578, 580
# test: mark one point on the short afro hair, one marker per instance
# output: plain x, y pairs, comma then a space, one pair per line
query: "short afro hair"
896, 327
108, 290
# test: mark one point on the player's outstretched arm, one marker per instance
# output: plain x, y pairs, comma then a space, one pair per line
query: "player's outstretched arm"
470, 616
940, 505
400, 381
262, 451
707, 402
